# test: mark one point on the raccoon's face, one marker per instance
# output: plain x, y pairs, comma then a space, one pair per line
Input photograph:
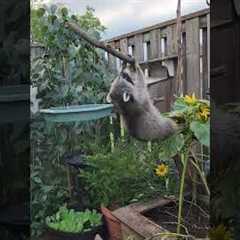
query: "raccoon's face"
121, 93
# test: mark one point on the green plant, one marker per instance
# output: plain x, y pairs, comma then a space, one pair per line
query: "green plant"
194, 115
46, 196
130, 164
70, 71
220, 233
71, 221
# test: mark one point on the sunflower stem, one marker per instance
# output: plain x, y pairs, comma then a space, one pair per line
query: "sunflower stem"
111, 135
122, 132
184, 160
201, 173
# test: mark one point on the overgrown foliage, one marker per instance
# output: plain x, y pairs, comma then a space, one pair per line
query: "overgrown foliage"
130, 164
69, 72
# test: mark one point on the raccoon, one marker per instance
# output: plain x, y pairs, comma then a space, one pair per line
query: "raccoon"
130, 97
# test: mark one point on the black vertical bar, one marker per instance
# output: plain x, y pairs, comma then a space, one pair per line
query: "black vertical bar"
14, 119
225, 116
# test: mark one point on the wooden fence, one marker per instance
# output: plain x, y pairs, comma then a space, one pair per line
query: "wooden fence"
156, 46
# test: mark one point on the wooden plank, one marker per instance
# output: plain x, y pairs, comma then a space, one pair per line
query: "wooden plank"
163, 32
112, 59
154, 44
193, 57
146, 37
139, 47
163, 35
129, 234
205, 63
132, 219
116, 44
137, 222
124, 45
171, 40
203, 21
153, 81
184, 64
131, 41
144, 207
160, 59
208, 51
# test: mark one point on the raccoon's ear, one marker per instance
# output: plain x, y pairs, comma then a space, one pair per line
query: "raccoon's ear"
126, 97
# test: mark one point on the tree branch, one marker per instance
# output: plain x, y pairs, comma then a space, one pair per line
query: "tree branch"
73, 26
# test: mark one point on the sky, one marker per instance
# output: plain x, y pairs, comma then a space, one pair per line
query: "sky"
123, 16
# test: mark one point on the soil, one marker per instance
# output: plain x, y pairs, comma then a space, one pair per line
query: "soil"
195, 218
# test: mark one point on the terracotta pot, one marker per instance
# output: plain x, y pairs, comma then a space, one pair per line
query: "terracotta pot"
113, 224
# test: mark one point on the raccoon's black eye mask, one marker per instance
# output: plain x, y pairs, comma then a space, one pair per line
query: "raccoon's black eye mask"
127, 77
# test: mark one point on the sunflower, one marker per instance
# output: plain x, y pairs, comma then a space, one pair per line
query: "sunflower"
190, 100
204, 113
161, 170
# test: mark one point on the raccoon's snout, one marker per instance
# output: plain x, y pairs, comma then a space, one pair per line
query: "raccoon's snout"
126, 97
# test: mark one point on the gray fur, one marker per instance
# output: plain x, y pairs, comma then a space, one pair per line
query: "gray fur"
141, 117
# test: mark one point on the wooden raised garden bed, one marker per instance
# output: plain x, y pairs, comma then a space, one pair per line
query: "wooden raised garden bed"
146, 220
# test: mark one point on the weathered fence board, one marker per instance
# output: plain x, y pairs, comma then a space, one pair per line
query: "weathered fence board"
205, 82
171, 40
111, 58
154, 43
131, 41
139, 47
193, 56
124, 45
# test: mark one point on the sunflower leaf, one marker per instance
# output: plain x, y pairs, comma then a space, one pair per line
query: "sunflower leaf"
201, 132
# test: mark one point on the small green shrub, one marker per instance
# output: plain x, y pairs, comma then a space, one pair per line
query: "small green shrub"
125, 175
71, 221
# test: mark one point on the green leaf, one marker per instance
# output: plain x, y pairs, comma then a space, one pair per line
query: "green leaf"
180, 105
37, 180
69, 220
40, 12
171, 146
201, 132
64, 11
